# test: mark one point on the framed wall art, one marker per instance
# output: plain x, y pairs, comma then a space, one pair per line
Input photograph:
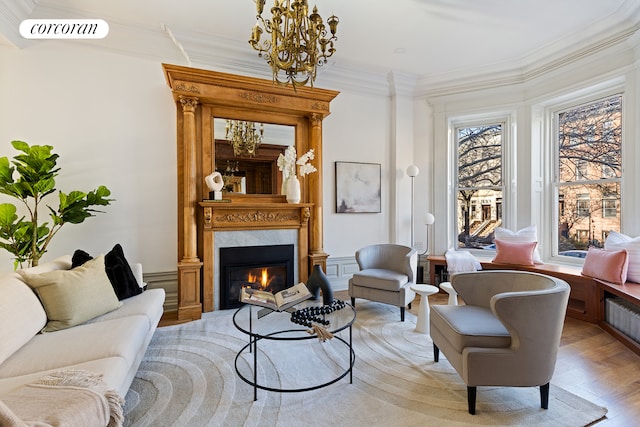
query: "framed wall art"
358, 187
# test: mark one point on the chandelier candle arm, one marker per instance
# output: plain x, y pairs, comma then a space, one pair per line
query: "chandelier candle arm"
299, 42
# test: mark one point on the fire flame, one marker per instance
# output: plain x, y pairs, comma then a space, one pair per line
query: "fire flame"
263, 281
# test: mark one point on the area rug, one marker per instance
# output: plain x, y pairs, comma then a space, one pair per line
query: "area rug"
188, 378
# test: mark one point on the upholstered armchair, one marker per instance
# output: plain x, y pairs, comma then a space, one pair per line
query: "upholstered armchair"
386, 274
507, 333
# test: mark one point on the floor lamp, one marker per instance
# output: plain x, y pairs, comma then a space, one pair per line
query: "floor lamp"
412, 172
428, 220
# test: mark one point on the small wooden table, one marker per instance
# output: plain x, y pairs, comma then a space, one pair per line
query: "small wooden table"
422, 324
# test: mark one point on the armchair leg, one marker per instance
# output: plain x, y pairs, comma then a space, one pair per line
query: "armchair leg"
409, 306
544, 396
436, 353
402, 314
353, 302
471, 399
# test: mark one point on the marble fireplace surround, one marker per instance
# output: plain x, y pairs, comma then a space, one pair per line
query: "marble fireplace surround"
246, 238
251, 224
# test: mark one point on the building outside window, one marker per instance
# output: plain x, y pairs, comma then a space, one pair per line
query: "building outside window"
583, 205
609, 207
479, 187
589, 172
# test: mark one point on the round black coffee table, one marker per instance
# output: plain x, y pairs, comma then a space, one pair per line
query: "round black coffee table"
271, 326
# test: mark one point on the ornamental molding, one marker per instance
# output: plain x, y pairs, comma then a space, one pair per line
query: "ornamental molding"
260, 98
185, 87
258, 216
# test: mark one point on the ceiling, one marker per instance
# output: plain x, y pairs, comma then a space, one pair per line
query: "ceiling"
433, 41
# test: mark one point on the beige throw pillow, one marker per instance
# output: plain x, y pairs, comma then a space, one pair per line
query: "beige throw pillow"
71, 297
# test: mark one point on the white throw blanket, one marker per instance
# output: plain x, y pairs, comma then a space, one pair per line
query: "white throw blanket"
461, 261
71, 398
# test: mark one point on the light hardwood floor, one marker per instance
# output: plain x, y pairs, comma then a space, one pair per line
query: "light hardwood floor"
591, 364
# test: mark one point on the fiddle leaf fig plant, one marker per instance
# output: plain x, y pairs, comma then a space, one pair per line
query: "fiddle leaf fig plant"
30, 177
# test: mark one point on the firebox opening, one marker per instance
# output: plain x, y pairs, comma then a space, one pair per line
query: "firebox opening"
262, 267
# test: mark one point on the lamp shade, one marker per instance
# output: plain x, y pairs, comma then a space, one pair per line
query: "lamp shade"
413, 171
428, 218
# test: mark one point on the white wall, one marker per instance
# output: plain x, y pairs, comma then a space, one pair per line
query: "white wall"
111, 119
358, 130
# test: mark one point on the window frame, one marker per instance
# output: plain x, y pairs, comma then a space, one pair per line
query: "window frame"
552, 198
508, 166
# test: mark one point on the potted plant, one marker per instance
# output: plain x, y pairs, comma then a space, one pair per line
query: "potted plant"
30, 177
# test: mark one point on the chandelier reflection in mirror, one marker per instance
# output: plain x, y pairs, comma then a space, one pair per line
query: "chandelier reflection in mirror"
244, 137
299, 43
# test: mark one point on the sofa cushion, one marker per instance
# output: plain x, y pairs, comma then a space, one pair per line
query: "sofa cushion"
119, 272
610, 266
469, 326
527, 234
378, 278
517, 253
21, 314
114, 371
148, 304
71, 297
616, 241
121, 338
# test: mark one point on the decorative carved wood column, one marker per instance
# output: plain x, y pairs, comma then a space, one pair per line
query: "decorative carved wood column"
189, 303
317, 254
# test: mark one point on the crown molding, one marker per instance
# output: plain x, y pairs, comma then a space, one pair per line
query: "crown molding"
12, 14
536, 66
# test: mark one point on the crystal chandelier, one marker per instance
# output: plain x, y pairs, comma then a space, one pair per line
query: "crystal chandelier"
299, 42
244, 137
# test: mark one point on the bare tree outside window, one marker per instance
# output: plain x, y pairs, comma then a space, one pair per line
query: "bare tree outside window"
480, 183
589, 173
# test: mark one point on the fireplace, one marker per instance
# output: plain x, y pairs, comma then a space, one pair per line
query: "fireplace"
262, 267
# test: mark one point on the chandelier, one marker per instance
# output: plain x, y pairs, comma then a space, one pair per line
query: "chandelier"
299, 42
244, 137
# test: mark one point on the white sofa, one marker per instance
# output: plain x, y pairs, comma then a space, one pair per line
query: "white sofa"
112, 344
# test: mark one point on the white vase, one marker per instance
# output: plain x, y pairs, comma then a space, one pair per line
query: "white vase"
293, 189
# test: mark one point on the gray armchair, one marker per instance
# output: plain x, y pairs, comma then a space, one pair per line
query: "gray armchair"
507, 333
386, 274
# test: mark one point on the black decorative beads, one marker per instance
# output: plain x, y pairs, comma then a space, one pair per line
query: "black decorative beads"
309, 315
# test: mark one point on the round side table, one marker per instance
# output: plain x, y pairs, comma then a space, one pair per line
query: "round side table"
422, 325
453, 295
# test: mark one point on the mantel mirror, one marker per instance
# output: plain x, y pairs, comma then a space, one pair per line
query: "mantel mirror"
254, 172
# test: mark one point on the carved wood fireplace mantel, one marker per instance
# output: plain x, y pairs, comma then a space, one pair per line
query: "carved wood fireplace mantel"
252, 216
200, 96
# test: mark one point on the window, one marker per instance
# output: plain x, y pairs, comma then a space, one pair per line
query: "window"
589, 172
583, 205
581, 170
479, 186
609, 208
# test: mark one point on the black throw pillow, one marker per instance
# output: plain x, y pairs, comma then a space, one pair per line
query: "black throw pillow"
120, 274
80, 257
117, 268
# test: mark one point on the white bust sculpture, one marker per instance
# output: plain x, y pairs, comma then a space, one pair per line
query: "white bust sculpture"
214, 181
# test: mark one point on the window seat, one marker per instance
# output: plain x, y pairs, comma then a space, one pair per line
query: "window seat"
587, 297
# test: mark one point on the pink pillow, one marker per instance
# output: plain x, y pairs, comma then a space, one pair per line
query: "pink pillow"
520, 253
610, 266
